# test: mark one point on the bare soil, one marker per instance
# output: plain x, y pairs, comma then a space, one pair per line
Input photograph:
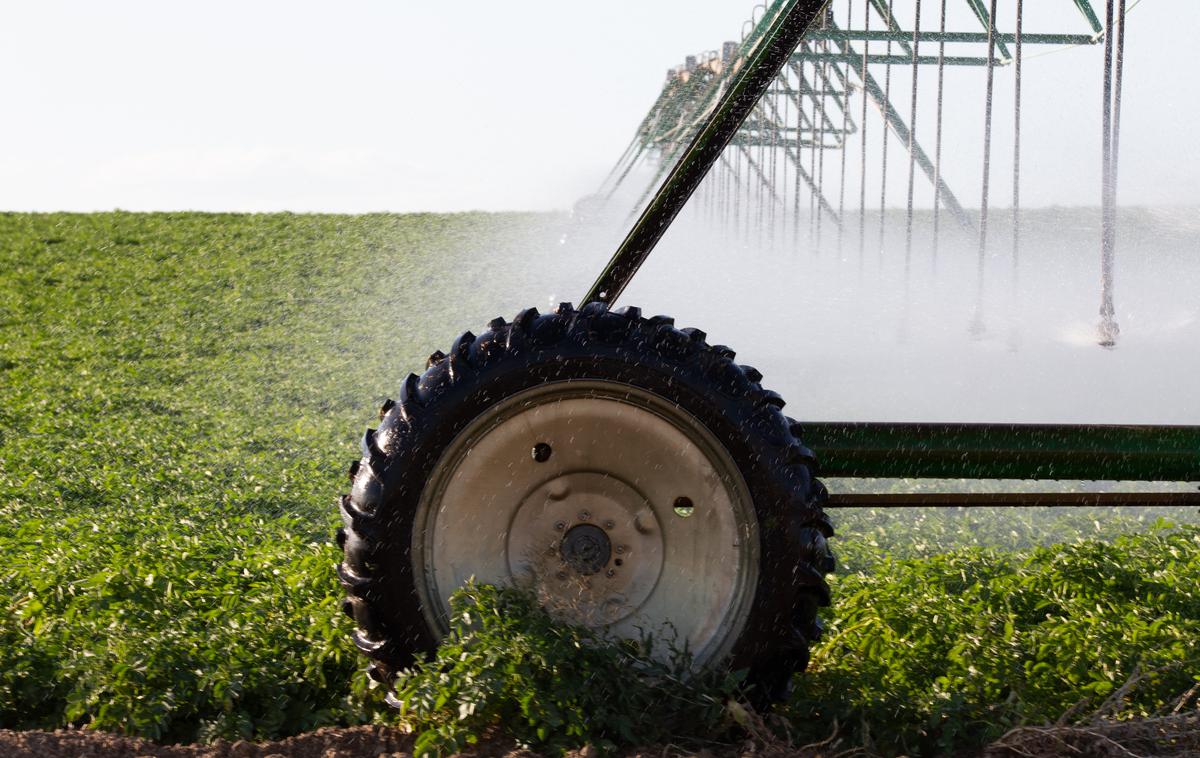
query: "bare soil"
354, 742
1175, 736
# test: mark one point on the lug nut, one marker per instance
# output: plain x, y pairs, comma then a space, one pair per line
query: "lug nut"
560, 525
584, 515
610, 573
610, 524
620, 549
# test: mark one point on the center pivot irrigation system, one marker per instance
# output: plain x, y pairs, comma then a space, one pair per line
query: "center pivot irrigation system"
636, 477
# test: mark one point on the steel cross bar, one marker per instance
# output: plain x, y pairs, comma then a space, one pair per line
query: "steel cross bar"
881, 7
929, 36
872, 88
985, 18
827, 86
762, 176
836, 95
713, 97
1012, 499
848, 127
793, 155
923, 60
1006, 451
806, 87
791, 19
806, 140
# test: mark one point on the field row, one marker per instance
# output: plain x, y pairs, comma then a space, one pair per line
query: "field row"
179, 396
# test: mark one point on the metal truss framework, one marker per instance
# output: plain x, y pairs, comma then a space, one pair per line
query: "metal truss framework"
809, 107
777, 167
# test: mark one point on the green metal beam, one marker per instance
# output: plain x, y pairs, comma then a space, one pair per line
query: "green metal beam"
684, 101
984, 17
972, 37
813, 94
904, 60
785, 29
792, 153
881, 8
1006, 451
876, 501
804, 142
896, 122
1085, 7
762, 177
839, 96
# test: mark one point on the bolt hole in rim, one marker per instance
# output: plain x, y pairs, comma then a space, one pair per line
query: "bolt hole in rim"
683, 507
593, 529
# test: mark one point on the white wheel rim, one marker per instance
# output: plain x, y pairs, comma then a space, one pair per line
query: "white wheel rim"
620, 460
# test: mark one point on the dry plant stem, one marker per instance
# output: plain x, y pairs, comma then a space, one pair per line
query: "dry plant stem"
1113, 701
1069, 715
1183, 701
1174, 735
1057, 737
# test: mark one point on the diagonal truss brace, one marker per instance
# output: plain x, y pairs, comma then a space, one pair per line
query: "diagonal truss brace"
875, 92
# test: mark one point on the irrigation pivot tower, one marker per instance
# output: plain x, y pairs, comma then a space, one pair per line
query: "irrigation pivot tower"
793, 166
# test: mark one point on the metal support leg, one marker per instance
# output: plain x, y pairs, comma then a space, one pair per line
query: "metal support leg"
912, 137
842, 139
892, 118
862, 176
1109, 330
937, 149
977, 326
1016, 204
887, 96
794, 154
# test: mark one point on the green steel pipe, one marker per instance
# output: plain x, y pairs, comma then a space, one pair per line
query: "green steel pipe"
1006, 451
898, 60
1085, 7
974, 37
880, 500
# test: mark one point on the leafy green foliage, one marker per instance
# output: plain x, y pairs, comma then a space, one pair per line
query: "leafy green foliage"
868, 538
177, 399
507, 664
928, 656
176, 395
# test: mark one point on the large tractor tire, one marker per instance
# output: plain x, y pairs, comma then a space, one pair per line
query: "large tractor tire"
627, 472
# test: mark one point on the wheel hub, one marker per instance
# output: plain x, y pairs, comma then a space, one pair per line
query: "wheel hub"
586, 549
588, 544
572, 490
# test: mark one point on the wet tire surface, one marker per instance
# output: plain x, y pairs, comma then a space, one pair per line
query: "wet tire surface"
589, 343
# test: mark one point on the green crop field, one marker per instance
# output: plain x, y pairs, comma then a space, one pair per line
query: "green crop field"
179, 401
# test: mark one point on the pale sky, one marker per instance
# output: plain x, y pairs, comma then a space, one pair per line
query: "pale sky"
406, 106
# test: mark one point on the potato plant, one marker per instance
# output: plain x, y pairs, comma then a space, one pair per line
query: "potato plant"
177, 399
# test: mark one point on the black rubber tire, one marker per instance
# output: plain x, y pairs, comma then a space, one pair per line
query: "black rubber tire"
589, 343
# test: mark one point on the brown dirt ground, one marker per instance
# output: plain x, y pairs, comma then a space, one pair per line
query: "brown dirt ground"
354, 742
1175, 736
